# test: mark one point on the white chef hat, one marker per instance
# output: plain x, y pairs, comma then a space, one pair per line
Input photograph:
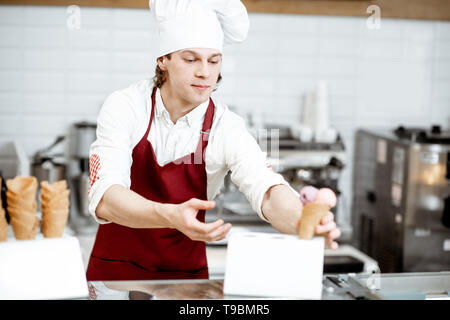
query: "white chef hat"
199, 23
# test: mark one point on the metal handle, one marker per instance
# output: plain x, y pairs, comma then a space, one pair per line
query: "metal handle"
57, 141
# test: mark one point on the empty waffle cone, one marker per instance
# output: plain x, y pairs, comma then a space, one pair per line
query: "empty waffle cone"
311, 215
25, 226
24, 187
55, 208
3, 223
57, 201
62, 205
19, 203
53, 189
21, 194
54, 212
22, 183
49, 196
54, 222
19, 212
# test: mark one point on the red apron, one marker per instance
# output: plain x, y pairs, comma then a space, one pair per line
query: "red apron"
123, 253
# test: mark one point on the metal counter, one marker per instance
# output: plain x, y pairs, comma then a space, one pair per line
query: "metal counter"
395, 286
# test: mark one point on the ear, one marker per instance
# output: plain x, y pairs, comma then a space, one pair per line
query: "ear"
162, 61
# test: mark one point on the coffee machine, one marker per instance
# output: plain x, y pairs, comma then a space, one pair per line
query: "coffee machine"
317, 164
83, 135
401, 198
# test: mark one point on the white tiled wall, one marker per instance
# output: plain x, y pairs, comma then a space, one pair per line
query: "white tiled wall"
52, 76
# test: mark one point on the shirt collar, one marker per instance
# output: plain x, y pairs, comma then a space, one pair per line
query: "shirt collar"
194, 116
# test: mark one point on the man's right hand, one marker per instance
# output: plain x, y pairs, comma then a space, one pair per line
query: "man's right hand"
183, 217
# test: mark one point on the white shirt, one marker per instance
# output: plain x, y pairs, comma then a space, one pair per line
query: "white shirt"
123, 121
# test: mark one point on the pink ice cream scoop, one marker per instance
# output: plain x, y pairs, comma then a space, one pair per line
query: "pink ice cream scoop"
308, 194
314, 210
326, 196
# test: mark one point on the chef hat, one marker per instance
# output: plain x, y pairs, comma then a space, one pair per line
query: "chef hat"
199, 23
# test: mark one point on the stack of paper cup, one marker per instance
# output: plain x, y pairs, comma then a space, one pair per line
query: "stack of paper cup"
322, 121
21, 200
54, 207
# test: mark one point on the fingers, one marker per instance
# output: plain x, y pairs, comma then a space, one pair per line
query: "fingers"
327, 218
217, 234
334, 234
220, 233
328, 228
325, 225
321, 229
332, 245
205, 228
202, 204
213, 231
197, 230
331, 231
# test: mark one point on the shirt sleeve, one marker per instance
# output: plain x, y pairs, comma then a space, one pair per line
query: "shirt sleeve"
110, 155
248, 165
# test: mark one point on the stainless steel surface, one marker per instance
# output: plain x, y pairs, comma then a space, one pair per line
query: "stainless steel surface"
401, 202
427, 186
48, 166
49, 170
410, 282
84, 137
84, 134
46, 150
335, 287
83, 188
80, 219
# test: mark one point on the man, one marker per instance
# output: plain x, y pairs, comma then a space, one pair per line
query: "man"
164, 148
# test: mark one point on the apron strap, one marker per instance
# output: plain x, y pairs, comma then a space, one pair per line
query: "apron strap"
206, 129
151, 115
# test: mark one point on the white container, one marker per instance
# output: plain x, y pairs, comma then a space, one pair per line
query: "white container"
42, 269
274, 265
322, 121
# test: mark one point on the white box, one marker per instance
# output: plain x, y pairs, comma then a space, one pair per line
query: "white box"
274, 265
42, 269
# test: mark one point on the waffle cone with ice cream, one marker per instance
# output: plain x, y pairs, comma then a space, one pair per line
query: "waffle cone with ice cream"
317, 203
54, 207
21, 202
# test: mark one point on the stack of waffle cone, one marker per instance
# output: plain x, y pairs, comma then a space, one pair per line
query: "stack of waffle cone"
21, 201
312, 213
54, 207
3, 223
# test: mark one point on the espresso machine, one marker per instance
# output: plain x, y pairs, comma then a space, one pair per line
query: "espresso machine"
317, 164
401, 198
83, 135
